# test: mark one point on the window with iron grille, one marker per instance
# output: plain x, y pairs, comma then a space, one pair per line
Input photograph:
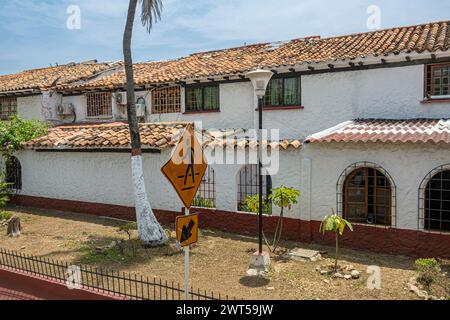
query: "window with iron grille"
283, 92
366, 193
98, 105
8, 108
202, 98
166, 100
437, 81
248, 187
367, 197
14, 174
206, 194
434, 200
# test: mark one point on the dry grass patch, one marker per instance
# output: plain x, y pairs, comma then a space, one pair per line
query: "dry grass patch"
218, 262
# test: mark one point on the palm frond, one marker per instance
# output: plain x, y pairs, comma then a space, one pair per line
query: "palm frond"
150, 13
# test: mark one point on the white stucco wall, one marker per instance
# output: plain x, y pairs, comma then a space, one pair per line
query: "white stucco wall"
332, 98
407, 164
106, 178
30, 107
328, 99
315, 171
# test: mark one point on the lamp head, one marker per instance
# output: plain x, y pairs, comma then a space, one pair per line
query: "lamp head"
260, 80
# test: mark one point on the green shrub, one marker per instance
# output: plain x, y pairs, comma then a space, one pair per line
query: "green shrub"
6, 215
4, 191
202, 203
424, 265
128, 228
15, 132
428, 271
251, 204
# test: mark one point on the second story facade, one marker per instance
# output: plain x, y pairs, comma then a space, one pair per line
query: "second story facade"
401, 73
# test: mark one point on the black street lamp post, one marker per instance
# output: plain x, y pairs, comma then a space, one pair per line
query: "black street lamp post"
260, 80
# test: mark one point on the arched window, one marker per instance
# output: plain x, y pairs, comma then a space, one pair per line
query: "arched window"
435, 198
206, 194
367, 197
248, 187
14, 173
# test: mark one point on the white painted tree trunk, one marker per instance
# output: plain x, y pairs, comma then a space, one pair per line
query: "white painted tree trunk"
150, 231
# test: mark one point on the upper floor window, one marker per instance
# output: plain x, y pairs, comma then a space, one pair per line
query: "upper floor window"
8, 108
166, 100
202, 98
437, 80
283, 92
98, 104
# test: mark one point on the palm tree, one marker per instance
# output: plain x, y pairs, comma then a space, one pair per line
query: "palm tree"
150, 231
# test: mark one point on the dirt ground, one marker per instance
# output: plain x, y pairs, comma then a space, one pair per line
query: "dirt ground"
218, 262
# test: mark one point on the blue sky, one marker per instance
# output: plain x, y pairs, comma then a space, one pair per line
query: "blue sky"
34, 33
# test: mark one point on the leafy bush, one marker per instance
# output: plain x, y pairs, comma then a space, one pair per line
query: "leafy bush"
202, 203
6, 215
4, 191
424, 265
429, 271
251, 204
15, 132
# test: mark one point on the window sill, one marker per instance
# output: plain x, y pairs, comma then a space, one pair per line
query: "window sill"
378, 226
160, 113
274, 108
428, 101
202, 111
99, 117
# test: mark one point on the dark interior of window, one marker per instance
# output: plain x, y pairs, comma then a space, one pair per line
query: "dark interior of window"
437, 202
14, 174
367, 197
283, 92
202, 98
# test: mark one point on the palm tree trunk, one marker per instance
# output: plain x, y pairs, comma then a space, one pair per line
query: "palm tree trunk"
150, 231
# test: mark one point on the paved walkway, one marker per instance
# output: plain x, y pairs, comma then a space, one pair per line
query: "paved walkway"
8, 294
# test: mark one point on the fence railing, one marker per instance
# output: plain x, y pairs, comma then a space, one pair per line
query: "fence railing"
119, 284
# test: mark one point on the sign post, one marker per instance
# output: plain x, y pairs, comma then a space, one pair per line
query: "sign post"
186, 266
185, 171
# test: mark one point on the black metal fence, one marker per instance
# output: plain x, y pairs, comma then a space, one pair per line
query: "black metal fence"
119, 284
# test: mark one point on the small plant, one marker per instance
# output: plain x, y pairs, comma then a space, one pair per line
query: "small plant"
251, 204
282, 197
336, 224
202, 203
6, 215
4, 191
429, 271
128, 229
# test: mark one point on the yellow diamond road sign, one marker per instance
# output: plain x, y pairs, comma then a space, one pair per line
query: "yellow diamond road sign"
186, 167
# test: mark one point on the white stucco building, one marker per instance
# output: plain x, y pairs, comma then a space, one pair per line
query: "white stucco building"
363, 131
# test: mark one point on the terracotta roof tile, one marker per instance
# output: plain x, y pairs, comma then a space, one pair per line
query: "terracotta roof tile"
420, 38
387, 131
44, 78
153, 135
112, 135
242, 139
